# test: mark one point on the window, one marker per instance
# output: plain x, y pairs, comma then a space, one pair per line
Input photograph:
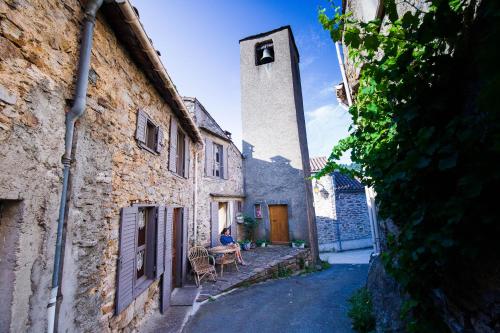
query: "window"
141, 257
258, 211
149, 135
216, 162
143, 235
181, 151
217, 167
264, 53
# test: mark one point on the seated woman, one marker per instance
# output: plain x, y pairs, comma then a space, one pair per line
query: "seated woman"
227, 240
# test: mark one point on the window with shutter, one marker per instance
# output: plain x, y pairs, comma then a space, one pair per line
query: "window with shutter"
208, 157
140, 132
160, 241
185, 224
160, 142
187, 157
149, 136
166, 282
141, 256
181, 153
172, 160
225, 167
126, 260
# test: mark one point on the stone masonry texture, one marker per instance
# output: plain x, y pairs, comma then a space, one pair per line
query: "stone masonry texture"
340, 215
39, 42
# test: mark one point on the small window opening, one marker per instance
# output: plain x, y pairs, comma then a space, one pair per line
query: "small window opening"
217, 171
151, 135
264, 53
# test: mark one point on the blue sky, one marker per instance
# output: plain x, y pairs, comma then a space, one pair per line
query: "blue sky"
198, 41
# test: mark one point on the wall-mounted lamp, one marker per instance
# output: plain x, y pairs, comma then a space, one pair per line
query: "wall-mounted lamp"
317, 188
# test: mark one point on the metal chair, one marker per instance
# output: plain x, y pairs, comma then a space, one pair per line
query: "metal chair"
200, 262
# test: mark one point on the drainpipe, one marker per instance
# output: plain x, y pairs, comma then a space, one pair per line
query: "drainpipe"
76, 111
344, 77
200, 147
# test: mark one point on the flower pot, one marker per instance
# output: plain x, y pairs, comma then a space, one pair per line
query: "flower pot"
298, 246
245, 246
262, 245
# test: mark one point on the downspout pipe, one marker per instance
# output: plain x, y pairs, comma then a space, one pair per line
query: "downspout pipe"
76, 111
344, 77
199, 148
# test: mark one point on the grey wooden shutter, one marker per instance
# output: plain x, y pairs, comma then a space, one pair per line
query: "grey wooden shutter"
160, 241
187, 154
160, 142
234, 225
225, 172
185, 246
140, 131
209, 158
166, 285
172, 162
214, 219
126, 260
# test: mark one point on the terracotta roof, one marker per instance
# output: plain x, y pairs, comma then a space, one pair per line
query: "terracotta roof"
317, 163
344, 183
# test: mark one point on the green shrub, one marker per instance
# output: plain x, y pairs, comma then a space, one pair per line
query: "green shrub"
361, 311
325, 264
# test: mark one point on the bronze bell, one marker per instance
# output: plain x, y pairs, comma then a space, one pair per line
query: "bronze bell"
266, 55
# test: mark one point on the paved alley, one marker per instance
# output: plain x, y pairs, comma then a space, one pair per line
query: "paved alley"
310, 303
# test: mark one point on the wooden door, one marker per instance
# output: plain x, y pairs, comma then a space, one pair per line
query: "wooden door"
278, 217
177, 248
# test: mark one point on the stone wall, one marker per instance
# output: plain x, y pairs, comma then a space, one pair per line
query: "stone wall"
352, 215
39, 51
341, 216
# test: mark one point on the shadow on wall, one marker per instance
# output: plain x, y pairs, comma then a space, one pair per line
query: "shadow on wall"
275, 183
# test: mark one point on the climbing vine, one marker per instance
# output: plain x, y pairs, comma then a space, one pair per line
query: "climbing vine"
426, 135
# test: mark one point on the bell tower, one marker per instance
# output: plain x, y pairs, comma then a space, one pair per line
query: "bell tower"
276, 157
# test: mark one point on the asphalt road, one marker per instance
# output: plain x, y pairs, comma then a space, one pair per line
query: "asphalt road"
311, 303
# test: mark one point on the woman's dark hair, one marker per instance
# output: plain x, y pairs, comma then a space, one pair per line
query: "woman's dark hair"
224, 231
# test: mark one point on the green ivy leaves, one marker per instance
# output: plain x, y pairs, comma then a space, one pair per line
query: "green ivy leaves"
424, 130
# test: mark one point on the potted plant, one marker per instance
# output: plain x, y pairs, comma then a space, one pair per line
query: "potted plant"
298, 243
261, 243
250, 224
245, 244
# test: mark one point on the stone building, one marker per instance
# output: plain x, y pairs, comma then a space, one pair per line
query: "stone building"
276, 157
341, 208
129, 203
220, 187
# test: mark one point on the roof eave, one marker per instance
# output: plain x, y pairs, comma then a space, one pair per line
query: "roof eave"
146, 57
